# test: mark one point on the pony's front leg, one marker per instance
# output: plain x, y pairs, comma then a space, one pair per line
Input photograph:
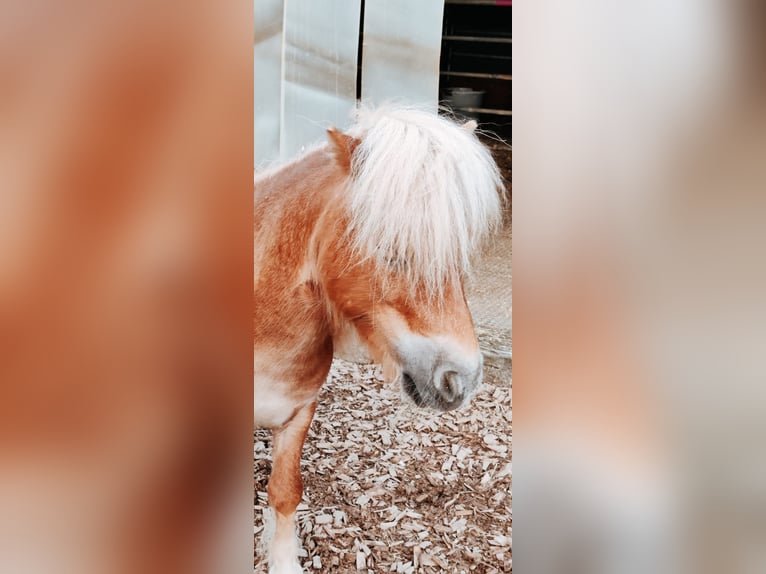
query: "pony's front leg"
285, 490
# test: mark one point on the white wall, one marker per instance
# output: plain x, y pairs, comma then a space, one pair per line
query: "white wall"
402, 46
267, 93
306, 55
319, 69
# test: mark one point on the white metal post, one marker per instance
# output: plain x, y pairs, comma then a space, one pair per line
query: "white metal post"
402, 47
319, 69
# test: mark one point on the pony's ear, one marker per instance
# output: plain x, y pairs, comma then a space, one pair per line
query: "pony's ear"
342, 147
470, 126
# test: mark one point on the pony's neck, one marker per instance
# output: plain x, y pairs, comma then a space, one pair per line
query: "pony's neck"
290, 204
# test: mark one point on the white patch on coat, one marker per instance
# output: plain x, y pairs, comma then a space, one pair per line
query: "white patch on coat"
283, 552
272, 407
348, 345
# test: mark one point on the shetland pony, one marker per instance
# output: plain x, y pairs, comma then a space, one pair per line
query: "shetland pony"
361, 249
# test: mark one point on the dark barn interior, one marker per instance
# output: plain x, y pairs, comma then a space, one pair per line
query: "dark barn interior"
476, 62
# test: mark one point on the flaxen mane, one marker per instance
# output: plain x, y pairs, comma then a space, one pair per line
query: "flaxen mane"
424, 194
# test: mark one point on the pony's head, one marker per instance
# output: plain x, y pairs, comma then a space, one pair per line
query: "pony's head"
421, 196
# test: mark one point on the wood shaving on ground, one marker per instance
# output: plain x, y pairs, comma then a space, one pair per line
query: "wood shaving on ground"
393, 488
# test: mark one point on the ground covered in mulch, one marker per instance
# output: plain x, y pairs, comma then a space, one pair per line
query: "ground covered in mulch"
392, 488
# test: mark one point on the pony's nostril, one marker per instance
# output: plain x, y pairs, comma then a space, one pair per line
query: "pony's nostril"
451, 387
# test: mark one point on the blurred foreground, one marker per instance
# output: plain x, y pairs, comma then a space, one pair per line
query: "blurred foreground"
125, 287
639, 338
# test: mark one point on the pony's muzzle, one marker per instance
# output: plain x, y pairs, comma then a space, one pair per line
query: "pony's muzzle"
443, 385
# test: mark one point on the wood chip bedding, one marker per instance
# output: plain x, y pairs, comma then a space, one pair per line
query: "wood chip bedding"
391, 488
